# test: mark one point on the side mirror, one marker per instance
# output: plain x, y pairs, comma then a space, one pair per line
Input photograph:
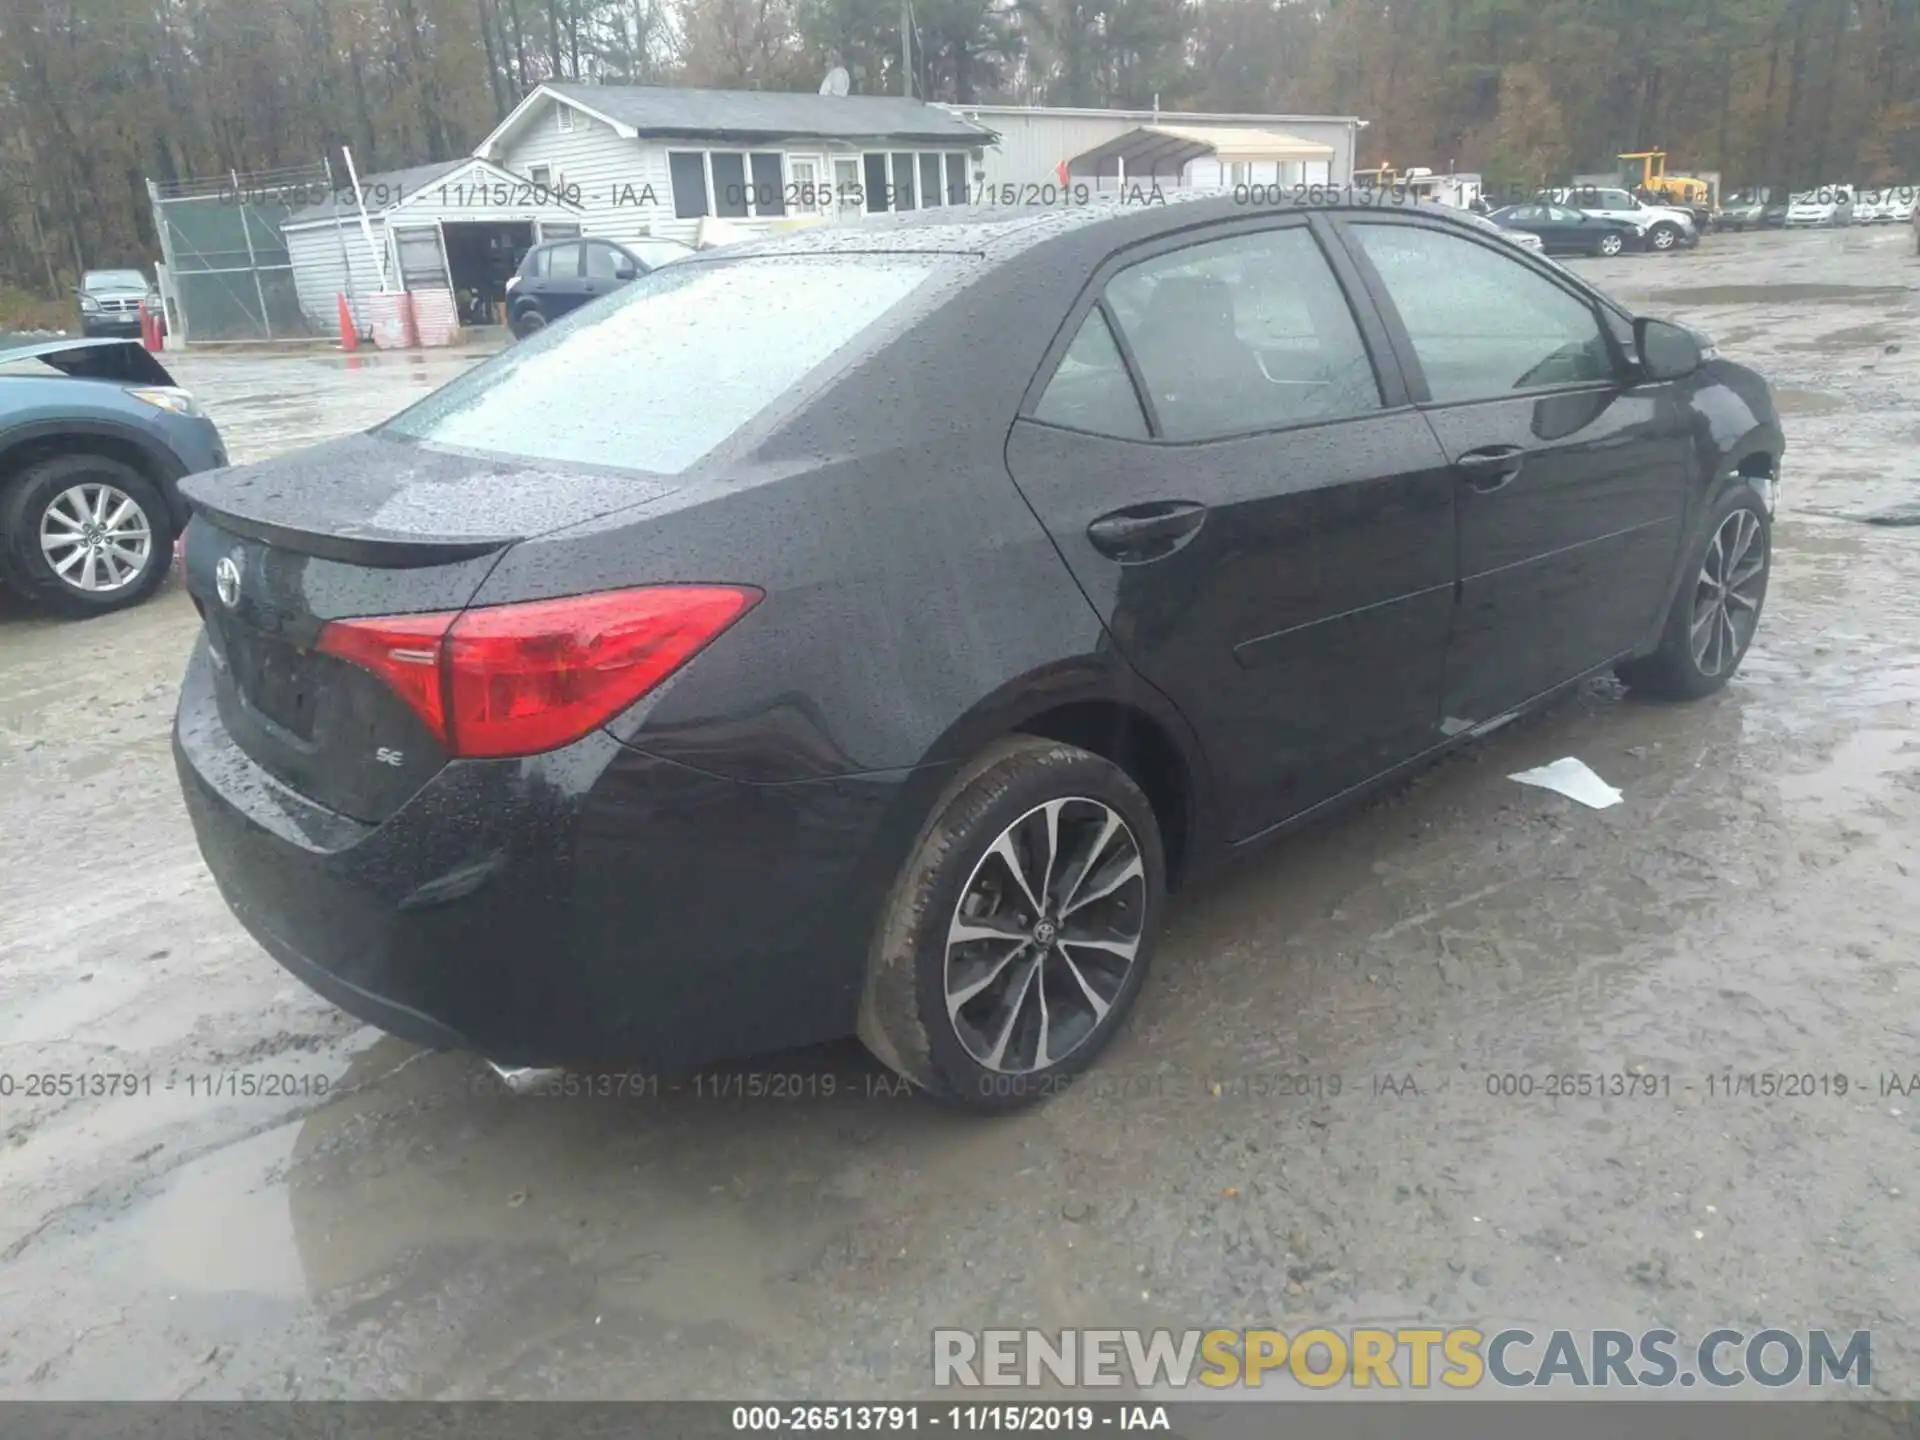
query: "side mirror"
624, 271
1667, 351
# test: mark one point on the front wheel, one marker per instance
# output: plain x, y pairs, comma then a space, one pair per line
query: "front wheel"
1664, 237
86, 534
1609, 244
1018, 935
1716, 612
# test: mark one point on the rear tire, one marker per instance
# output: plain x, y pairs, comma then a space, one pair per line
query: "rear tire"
1716, 611
531, 322
1609, 244
995, 1023
85, 534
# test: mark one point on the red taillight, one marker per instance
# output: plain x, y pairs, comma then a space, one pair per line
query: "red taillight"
406, 651
519, 679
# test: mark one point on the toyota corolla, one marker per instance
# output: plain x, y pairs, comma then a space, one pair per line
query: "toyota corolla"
860, 631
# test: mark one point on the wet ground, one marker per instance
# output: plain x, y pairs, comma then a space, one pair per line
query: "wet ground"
1752, 908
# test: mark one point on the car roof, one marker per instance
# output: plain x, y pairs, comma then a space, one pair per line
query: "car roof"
1002, 231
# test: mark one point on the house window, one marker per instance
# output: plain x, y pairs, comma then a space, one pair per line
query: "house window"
735, 184
565, 114
769, 184
730, 198
911, 180
688, 171
541, 176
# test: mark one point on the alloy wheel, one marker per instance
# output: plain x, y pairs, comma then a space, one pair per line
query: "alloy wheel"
1609, 244
1663, 239
1726, 601
96, 538
1044, 935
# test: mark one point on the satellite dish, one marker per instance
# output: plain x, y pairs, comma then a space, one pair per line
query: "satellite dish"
838, 82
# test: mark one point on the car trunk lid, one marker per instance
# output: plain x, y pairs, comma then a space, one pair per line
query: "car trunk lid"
354, 528
126, 362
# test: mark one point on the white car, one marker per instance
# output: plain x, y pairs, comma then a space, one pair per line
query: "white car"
1666, 226
1884, 204
1829, 205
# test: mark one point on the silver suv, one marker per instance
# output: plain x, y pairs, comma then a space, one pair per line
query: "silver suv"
111, 301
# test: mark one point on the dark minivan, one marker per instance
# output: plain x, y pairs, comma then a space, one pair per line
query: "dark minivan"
562, 275
861, 630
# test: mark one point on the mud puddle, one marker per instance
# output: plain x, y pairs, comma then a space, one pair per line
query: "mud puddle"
1778, 294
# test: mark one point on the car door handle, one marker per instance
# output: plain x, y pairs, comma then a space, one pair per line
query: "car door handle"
1491, 466
1146, 532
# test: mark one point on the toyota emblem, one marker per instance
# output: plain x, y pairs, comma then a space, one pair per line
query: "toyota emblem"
226, 581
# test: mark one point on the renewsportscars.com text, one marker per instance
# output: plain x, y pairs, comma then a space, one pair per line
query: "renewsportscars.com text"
1458, 1357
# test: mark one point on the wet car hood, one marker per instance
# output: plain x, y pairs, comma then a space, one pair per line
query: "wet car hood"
127, 361
374, 500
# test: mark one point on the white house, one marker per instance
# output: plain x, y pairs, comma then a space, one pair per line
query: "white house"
654, 161
631, 162
460, 225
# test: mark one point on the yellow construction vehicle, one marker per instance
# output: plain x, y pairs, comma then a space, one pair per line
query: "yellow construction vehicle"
1688, 190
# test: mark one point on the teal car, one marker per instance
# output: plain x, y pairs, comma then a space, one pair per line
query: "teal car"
95, 436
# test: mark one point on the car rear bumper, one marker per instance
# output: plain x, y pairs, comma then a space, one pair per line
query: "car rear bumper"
592, 905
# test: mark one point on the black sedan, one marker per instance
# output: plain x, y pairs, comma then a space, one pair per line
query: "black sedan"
1565, 230
562, 275
862, 630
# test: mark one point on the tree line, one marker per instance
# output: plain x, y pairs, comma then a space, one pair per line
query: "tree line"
98, 95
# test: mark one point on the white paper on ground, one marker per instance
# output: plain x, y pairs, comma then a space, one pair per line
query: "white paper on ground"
1572, 778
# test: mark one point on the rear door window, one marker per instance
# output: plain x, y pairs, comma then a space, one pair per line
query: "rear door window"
562, 263
1244, 334
676, 362
1092, 390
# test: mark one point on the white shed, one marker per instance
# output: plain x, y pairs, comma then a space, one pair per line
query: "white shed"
460, 225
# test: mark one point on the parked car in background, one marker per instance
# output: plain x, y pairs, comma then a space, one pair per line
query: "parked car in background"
111, 301
94, 439
562, 275
1828, 205
1883, 205
1525, 239
1563, 230
1742, 213
655, 693
1665, 226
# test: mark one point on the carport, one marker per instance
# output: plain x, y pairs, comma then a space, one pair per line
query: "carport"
1225, 154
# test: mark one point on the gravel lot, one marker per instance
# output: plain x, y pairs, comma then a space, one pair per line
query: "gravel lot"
1754, 906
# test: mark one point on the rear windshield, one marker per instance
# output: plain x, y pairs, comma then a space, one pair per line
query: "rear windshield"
673, 364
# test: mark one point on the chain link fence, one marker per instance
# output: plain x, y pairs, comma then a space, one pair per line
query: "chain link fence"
228, 271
